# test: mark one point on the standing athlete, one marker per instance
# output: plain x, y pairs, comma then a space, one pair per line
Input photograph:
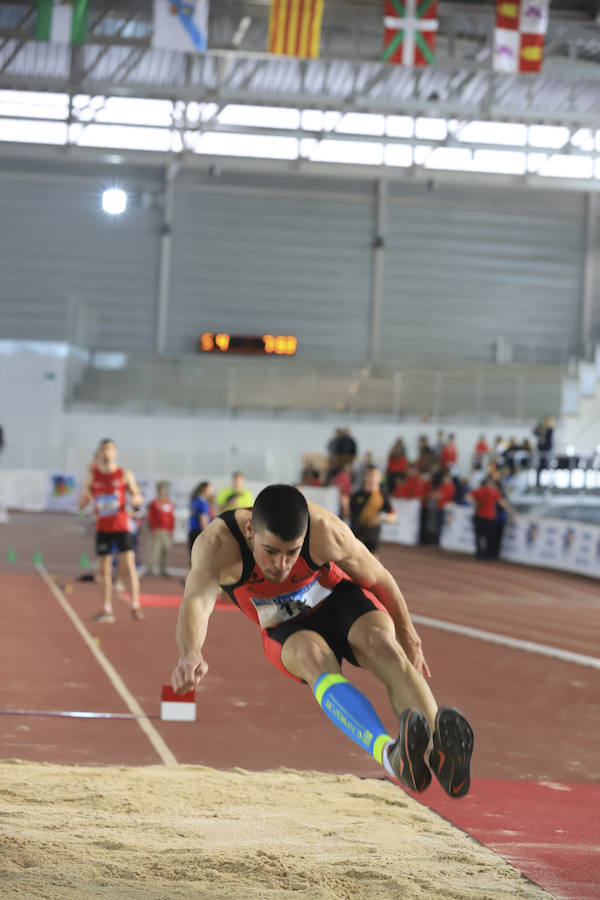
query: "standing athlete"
106, 486
319, 596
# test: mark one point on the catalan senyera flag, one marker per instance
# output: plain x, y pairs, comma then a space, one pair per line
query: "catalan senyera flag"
519, 35
295, 27
410, 27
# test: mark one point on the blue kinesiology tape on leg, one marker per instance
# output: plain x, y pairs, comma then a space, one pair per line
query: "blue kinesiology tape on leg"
353, 714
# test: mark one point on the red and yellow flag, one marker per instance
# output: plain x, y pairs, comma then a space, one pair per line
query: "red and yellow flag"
519, 35
295, 27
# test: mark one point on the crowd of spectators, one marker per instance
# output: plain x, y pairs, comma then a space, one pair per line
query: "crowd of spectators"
497, 470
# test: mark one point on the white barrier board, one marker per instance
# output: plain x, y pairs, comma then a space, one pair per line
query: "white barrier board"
551, 543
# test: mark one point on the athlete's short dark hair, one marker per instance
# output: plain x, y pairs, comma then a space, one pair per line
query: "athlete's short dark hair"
281, 509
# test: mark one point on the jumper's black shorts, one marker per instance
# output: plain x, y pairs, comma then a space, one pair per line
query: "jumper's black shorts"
107, 540
332, 619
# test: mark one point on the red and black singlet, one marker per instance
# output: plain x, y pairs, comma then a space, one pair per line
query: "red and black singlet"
269, 603
108, 490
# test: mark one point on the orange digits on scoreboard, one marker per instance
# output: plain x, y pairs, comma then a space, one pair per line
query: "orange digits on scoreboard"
281, 345
207, 341
222, 341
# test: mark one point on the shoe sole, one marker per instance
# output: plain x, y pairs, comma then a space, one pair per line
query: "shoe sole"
408, 762
450, 757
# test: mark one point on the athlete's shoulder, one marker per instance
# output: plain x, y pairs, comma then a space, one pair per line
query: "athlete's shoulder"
216, 546
329, 535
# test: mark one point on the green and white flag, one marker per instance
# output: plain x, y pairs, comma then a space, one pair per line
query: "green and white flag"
60, 22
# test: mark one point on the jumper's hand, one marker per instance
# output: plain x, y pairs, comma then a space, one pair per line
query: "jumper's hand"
414, 650
188, 673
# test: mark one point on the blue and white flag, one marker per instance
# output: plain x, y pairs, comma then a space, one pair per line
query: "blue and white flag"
180, 26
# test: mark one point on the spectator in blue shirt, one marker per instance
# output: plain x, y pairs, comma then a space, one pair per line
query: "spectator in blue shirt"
200, 510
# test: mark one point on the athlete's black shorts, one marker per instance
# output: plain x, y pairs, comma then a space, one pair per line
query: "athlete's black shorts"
106, 541
332, 619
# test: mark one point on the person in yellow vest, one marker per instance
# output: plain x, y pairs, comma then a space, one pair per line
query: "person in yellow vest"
369, 508
236, 496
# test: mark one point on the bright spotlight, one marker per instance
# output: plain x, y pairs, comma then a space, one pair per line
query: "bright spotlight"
114, 201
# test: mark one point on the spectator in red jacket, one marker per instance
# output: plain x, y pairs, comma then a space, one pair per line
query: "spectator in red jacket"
480, 452
443, 495
342, 479
161, 519
410, 487
449, 454
485, 499
397, 464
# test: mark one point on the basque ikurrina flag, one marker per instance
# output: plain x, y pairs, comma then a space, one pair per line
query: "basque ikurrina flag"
295, 27
410, 28
519, 35
60, 22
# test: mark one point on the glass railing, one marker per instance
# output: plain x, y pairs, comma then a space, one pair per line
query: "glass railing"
284, 386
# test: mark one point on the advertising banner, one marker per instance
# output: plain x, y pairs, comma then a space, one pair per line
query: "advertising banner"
405, 530
457, 529
62, 492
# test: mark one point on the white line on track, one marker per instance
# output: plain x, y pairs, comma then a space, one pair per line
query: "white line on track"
112, 674
579, 659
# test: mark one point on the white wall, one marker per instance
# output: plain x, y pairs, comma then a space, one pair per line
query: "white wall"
32, 380
261, 447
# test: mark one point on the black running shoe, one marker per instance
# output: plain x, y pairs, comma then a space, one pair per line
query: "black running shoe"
450, 756
407, 754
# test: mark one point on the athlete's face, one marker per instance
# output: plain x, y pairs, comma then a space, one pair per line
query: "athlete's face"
107, 453
273, 556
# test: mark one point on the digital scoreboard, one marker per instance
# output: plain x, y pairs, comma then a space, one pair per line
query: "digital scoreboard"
257, 345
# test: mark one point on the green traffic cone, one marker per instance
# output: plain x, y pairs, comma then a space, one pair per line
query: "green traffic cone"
11, 556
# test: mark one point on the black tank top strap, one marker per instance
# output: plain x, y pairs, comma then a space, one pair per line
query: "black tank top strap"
247, 559
305, 552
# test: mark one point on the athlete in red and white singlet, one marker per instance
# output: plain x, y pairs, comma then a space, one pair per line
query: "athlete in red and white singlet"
319, 597
106, 487
109, 491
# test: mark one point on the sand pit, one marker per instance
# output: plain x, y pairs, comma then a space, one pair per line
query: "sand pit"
194, 832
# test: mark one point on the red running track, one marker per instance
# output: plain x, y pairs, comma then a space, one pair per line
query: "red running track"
536, 719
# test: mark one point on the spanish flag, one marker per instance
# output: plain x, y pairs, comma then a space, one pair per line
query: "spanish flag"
295, 27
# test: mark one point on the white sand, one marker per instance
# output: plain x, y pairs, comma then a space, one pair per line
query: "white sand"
193, 832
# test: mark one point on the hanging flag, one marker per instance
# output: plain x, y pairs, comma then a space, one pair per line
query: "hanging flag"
295, 27
519, 35
410, 28
61, 22
180, 26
